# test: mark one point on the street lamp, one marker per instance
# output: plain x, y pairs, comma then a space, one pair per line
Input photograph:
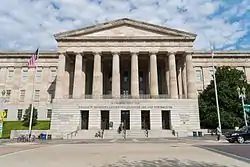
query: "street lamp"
242, 96
216, 93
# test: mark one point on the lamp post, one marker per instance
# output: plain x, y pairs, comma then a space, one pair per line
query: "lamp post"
216, 94
242, 96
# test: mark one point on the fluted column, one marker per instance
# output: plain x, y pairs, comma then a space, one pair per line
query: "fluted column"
134, 75
191, 90
116, 76
167, 75
154, 92
184, 79
77, 88
172, 77
179, 76
83, 78
97, 76
59, 92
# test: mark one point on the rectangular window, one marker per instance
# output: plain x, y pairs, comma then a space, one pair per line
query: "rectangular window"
10, 75
8, 94
52, 75
198, 75
39, 75
25, 74
49, 113
22, 95
19, 114
6, 111
37, 95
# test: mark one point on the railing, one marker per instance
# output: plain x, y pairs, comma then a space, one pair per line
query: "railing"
73, 133
108, 96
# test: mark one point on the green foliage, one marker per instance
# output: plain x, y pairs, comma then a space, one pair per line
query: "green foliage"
26, 117
231, 112
18, 125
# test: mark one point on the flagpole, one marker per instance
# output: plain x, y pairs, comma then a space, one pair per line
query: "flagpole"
32, 106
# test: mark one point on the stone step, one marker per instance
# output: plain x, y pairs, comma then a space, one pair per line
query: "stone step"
85, 134
112, 134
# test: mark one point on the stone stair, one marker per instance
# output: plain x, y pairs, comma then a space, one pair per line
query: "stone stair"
135, 134
160, 134
112, 134
85, 134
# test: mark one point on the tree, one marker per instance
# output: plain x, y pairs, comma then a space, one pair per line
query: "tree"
26, 117
231, 112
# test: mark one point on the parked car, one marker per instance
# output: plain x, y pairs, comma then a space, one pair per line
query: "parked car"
241, 135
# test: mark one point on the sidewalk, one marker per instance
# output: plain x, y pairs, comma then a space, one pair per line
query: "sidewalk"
120, 154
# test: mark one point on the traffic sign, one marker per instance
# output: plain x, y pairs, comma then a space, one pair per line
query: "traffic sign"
3, 114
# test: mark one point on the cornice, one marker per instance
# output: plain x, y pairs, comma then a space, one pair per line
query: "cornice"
126, 38
24, 54
222, 54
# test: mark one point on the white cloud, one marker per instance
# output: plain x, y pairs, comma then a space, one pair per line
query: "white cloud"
29, 24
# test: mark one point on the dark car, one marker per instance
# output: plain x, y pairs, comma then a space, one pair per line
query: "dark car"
241, 135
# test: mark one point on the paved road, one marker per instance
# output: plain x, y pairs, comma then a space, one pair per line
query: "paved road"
241, 152
119, 154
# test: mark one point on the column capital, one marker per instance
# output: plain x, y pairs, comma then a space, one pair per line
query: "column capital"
171, 53
97, 53
115, 53
79, 53
134, 53
153, 52
61, 53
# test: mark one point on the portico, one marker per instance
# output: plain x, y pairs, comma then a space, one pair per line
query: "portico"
125, 71
126, 74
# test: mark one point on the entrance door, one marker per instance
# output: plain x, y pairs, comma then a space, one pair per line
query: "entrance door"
85, 119
166, 120
105, 119
125, 118
145, 119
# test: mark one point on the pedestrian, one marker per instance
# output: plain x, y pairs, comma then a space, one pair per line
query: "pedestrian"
218, 130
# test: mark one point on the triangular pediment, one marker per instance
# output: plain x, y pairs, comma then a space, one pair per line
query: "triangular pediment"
125, 27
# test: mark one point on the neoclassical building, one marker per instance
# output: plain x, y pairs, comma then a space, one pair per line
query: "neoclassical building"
144, 75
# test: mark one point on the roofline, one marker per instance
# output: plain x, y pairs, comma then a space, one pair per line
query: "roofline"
123, 20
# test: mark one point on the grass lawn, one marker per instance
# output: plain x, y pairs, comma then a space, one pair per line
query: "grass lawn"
18, 125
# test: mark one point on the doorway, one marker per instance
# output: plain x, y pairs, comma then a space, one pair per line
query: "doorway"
145, 119
125, 118
85, 119
166, 119
105, 119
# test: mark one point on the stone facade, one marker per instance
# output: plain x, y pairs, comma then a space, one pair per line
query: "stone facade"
130, 70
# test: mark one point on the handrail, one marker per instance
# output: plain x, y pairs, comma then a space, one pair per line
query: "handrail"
73, 132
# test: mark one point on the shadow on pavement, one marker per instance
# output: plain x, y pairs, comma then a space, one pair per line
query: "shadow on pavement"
163, 163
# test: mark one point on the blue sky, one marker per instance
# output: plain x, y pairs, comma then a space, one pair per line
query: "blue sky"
27, 24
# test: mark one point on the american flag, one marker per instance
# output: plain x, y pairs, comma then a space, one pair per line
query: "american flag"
33, 59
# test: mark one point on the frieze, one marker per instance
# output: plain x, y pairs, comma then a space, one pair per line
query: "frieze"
124, 107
